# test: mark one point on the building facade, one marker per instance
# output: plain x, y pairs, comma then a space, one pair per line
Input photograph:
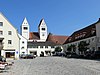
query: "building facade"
36, 41
13, 44
40, 42
90, 35
23, 45
10, 38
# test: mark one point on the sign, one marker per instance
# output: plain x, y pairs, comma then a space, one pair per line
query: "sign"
16, 52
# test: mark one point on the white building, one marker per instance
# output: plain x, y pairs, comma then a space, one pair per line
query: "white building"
36, 40
40, 42
23, 45
12, 44
10, 38
89, 34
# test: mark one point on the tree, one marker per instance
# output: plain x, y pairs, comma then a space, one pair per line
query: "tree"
71, 48
58, 49
82, 47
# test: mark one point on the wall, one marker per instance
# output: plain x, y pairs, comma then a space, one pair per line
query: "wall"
7, 26
91, 45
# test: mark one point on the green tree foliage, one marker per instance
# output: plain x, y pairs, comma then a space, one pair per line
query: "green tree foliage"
82, 46
71, 48
58, 49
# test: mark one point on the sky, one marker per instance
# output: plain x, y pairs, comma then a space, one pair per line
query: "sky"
62, 17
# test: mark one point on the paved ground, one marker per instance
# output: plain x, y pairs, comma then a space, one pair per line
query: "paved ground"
54, 66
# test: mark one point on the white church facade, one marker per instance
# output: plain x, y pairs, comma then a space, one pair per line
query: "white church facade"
36, 41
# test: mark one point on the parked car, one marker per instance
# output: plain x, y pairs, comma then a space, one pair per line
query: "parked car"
23, 56
27, 56
72, 55
92, 54
30, 56
59, 54
96, 54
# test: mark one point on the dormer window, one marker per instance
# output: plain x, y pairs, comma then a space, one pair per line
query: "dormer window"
92, 32
70, 38
83, 35
76, 37
43, 29
80, 35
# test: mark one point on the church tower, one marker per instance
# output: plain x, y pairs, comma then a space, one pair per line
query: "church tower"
42, 28
25, 29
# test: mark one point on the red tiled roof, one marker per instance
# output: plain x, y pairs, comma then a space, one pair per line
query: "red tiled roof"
86, 32
34, 35
57, 39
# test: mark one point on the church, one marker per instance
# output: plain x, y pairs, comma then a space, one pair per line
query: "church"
13, 44
38, 42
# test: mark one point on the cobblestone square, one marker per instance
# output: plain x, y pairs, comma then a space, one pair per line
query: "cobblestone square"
54, 66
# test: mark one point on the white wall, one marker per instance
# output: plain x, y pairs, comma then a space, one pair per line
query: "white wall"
41, 32
23, 43
41, 49
92, 43
7, 26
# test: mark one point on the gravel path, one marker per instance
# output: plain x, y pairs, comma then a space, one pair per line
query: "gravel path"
54, 66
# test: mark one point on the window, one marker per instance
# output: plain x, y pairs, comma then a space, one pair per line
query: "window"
10, 54
92, 32
46, 46
83, 35
92, 39
9, 42
41, 46
52, 46
29, 46
1, 32
9, 33
22, 48
25, 28
23, 42
1, 23
34, 46
23, 52
43, 28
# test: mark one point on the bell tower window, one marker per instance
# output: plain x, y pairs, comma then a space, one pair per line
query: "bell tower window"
43, 29
25, 28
